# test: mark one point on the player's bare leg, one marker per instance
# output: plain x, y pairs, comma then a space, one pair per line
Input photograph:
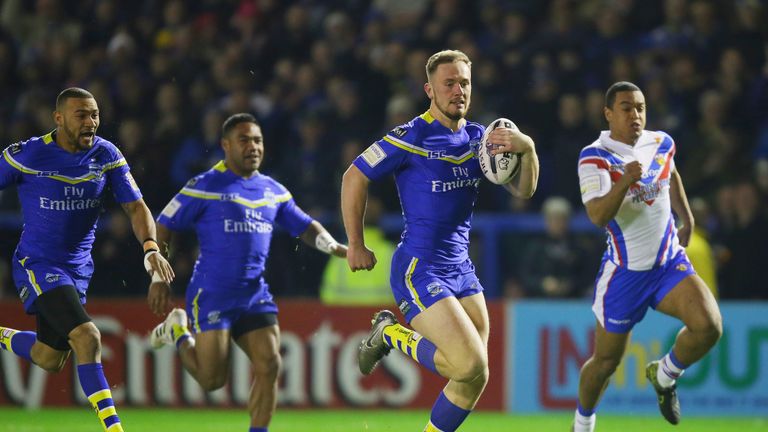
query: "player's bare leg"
478, 314
461, 354
596, 373
206, 358
691, 302
48, 358
263, 349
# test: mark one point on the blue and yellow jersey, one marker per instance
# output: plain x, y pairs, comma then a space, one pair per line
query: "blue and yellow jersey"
438, 178
234, 218
61, 194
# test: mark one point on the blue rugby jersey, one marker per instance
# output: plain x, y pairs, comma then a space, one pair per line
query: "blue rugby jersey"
61, 194
233, 218
437, 177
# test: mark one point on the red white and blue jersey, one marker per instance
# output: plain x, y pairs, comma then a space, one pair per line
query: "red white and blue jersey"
233, 218
643, 235
61, 194
437, 177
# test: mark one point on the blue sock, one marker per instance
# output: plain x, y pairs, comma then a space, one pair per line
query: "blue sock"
257, 429
425, 354
446, 416
584, 412
18, 342
95, 386
678, 364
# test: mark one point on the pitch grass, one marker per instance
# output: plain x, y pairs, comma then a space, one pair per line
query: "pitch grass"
206, 420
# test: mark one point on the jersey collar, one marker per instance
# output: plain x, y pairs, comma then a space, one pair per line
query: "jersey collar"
621, 148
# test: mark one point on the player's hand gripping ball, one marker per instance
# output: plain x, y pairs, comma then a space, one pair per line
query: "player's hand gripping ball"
500, 168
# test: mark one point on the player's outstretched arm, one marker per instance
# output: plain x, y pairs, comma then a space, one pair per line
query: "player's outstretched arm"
354, 197
602, 209
682, 209
144, 229
316, 236
509, 140
159, 294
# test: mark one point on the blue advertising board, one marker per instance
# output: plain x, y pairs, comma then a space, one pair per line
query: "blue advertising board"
548, 341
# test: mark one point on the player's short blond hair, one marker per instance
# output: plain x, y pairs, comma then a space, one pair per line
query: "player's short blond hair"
445, 56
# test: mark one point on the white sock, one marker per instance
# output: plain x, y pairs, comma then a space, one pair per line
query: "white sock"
583, 423
668, 373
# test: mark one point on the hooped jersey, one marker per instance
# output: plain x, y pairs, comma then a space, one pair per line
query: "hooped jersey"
437, 177
643, 235
233, 218
61, 194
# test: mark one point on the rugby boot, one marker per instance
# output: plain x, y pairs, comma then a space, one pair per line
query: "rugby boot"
669, 405
372, 349
163, 333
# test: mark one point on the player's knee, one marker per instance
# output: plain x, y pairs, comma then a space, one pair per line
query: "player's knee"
713, 328
607, 365
268, 367
213, 381
85, 340
472, 367
53, 364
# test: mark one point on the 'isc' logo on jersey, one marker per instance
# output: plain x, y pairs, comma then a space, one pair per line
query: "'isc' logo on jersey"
435, 154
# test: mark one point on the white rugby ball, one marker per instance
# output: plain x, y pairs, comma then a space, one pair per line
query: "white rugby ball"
500, 168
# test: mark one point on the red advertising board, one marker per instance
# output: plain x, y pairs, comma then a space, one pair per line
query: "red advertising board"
319, 347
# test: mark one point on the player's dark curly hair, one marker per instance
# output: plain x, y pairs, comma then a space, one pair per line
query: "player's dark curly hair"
610, 95
236, 119
72, 92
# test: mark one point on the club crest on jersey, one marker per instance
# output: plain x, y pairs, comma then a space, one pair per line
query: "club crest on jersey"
681, 267
474, 146
660, 159
95, 169
270, 198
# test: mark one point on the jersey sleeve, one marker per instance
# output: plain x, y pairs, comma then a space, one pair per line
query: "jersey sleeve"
594, 175
8, 173
385, 155
123, 185
290, 216
182, 211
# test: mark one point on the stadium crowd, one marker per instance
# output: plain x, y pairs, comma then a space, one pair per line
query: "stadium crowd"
325, 78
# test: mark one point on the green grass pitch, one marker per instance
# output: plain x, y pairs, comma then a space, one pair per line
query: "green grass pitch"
206, 420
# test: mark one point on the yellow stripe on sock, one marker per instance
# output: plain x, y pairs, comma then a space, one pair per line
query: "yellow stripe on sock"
196, 311
432, 428
107, 412
403, 339
99, 396
117, 427
409, 283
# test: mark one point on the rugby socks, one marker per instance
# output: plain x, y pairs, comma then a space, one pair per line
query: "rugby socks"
18, 342
258, 429
412, 344
585, 419
181, 333
670, 369
445, 416
96, 388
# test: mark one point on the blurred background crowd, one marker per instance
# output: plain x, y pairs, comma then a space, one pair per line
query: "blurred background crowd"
327, 77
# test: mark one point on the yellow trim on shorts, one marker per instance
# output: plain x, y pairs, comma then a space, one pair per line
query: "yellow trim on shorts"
196, 311
33, 281
409, 283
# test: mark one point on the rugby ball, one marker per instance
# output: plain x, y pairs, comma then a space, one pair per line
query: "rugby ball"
503, 167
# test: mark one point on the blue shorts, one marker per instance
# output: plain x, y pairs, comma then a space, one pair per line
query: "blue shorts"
219, 307
417, 284
33, 277
622, 296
